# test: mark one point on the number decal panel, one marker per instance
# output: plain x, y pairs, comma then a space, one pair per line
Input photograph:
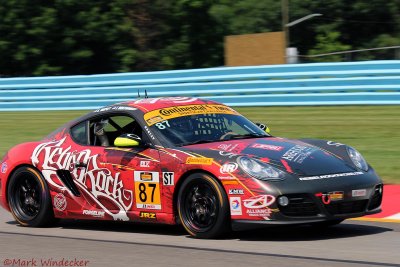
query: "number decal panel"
147, 190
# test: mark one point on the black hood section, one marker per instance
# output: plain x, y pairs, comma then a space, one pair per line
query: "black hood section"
293, 156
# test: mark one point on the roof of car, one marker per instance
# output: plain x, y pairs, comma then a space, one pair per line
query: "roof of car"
149, 104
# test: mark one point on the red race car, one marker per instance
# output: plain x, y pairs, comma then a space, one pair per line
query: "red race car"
184, 161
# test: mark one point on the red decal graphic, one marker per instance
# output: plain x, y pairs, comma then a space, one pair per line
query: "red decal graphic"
268, 147
287, 167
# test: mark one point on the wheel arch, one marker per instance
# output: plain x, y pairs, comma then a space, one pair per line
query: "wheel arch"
179, 185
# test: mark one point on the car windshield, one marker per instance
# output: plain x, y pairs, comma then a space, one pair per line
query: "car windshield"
206, 128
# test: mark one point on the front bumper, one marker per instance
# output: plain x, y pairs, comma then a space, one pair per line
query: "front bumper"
309, 208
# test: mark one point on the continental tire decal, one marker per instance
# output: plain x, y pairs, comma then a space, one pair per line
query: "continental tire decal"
158, 115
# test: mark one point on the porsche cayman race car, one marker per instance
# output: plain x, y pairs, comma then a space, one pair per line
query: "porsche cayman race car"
184, 161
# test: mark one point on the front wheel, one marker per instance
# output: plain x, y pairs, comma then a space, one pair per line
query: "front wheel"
29, 198
203, 207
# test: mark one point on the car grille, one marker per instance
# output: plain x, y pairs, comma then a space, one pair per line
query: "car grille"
376, 198
346, 207
300, 205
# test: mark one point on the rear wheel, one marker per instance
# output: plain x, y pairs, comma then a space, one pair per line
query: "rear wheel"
29, 198
203, 207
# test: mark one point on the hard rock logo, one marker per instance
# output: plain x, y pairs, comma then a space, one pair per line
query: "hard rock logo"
96, 182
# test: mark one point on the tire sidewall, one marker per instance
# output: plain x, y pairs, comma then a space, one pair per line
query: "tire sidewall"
45, 214
221, 225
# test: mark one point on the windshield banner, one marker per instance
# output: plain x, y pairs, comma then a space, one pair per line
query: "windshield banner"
158, 115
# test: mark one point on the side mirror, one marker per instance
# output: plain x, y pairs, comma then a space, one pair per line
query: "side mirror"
127, 140
263, 127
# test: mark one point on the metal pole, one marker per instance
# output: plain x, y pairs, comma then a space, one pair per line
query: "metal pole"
285, 21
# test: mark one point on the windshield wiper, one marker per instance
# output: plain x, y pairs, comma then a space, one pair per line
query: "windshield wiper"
199, 142
246, 136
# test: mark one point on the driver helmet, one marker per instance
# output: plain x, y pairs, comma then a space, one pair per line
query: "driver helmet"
99, 127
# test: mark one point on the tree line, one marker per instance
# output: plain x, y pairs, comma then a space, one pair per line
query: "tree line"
63, 37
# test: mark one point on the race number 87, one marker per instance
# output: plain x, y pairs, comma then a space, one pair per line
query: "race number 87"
143, 192
147, 195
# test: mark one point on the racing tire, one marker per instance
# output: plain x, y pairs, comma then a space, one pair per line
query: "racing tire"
203, 207
29, 198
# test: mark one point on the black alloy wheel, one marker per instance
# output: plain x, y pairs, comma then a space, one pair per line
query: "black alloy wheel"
29, 198
203, 207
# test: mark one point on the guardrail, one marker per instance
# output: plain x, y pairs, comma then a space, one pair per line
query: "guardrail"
350, 83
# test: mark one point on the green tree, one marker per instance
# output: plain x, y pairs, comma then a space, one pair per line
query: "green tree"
328, 42
195, 39
64, 37
40, 37
250, 16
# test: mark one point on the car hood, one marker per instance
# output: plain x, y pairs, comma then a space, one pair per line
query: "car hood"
293, 156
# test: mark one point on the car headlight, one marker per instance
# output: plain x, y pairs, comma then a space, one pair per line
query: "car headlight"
357, 159
260, 170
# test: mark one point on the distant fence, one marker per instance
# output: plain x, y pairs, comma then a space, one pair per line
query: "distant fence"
350, 83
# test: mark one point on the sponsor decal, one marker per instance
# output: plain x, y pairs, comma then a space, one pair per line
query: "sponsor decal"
147, 190
148, 215
331, 143
60, 202
4, 167
228, 167
158, 115
95, 181
236, 205
337, 195
328, 176
227, 154
298, 153
359, 193
203, 161
115, 108
236, 192
146, 176
145, 164
150, 206
149, 132
154, 120
227, 147
168, 178
259, 212
268, 147
233, 148
331, 196
224, 147
94, 213
259, 202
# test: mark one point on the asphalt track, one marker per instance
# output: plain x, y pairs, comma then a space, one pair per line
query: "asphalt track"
89, 243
